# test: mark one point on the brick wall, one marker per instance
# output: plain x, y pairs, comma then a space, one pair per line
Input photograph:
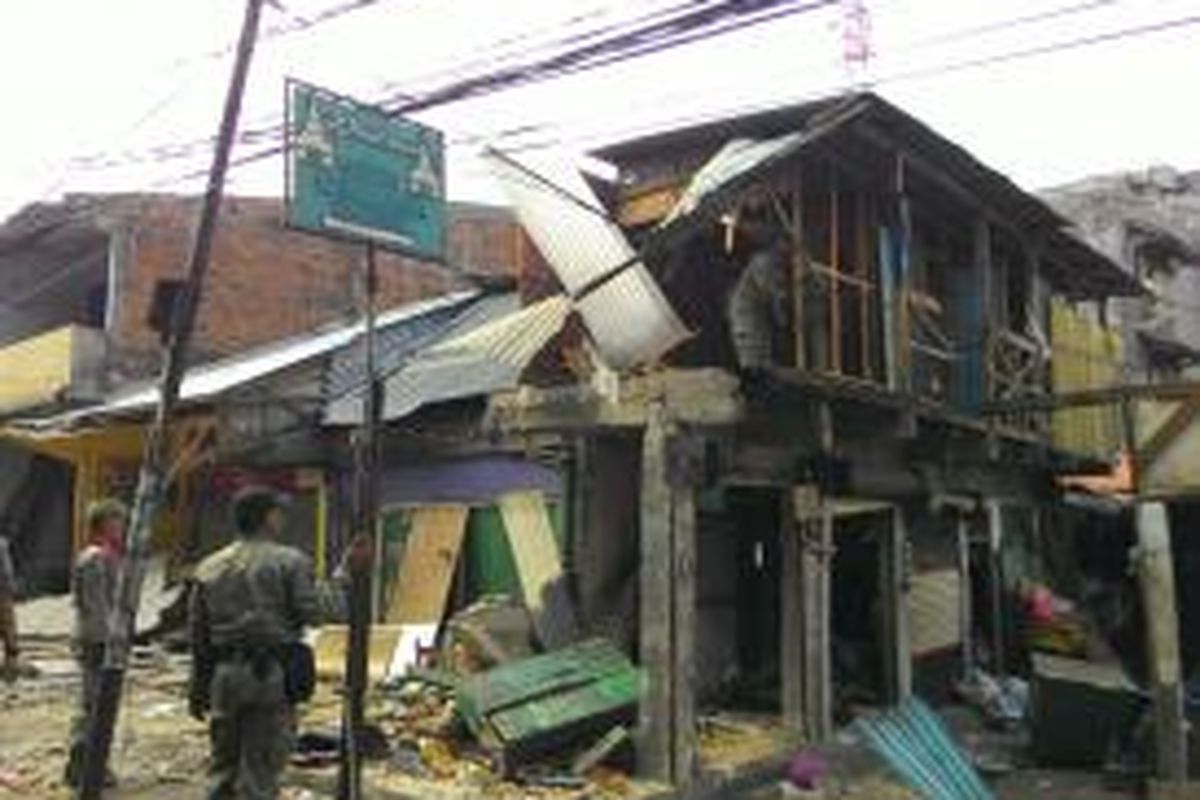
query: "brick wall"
267, 282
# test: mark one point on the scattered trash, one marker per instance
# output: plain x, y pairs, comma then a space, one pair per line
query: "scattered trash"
601, 751
806, 770
1004, 701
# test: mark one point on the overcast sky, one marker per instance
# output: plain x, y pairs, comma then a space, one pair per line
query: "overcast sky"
83, 78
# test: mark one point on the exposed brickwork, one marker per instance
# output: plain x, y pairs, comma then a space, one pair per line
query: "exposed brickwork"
267, 282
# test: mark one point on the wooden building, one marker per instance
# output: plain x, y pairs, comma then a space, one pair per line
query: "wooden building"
837, 527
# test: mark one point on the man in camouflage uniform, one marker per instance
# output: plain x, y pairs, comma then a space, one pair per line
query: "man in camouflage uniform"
93, 591
249, 601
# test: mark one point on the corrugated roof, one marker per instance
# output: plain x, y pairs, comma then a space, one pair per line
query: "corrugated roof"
211, 380
1073, 266
479, 361
396, 344
627, 315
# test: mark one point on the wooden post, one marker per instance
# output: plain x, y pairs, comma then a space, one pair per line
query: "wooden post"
1156, 575
996, 579
835, 276
797, 509
819, 634
894, 585
799, 272
902, 335
963, 532
655, 723
667, 736
683, 547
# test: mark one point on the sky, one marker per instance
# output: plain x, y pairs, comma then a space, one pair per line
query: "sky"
87, 83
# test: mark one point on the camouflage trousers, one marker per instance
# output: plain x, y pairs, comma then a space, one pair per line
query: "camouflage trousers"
251, 727
91, 660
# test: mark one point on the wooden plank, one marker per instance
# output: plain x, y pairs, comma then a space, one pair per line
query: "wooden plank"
428, 564
1167, 433
655, 723
1156, 575
329, 650
539, 567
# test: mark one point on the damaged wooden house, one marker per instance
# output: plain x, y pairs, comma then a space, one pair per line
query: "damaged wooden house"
774, 431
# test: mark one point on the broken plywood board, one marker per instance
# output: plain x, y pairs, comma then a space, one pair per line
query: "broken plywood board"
428, 564
329, 646
539, 567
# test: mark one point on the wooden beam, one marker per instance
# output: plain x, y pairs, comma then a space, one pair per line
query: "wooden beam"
1179, 390
1156, 574
1167, 433
702, 397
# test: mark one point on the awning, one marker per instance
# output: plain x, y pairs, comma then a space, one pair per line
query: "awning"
478, 362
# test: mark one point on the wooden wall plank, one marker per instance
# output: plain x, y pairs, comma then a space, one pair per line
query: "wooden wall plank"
539, 567
428, 564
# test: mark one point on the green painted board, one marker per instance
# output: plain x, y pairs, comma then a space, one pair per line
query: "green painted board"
357, 172
529, 699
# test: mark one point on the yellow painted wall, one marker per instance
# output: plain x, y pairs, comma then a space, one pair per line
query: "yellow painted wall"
34, 370
1085, 356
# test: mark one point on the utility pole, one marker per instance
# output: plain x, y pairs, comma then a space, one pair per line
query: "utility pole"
362, 552
151, 479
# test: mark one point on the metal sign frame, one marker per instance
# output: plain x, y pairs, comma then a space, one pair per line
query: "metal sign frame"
431, 248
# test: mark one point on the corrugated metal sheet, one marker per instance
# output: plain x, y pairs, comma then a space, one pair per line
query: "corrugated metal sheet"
397, 345
211, 380
489, 358
628, 316
917, 744
396, 342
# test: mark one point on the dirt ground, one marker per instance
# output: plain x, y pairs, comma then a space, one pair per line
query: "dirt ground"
160, 752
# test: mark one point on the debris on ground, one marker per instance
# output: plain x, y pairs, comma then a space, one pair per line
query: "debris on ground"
550, 701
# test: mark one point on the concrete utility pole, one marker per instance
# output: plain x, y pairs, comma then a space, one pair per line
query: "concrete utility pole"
152, 476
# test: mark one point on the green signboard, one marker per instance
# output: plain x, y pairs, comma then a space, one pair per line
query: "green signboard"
356, 172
